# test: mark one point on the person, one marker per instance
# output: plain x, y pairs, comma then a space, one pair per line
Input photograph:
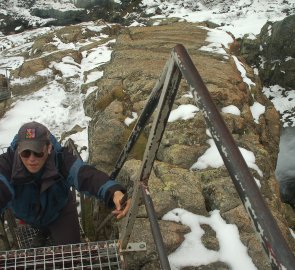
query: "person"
35, 181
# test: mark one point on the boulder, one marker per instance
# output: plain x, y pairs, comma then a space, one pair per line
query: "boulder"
273, 52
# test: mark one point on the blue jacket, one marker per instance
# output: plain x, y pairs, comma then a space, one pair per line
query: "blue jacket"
39, 198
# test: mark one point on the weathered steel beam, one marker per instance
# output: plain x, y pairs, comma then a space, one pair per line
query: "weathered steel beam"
168, 93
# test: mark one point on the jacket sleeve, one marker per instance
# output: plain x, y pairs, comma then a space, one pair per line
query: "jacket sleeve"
89, 180
6, 189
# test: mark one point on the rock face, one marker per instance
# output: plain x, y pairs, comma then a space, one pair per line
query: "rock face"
273, 53
137, 62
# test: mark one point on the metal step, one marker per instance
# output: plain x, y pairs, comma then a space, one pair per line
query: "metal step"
25, 235
93, 255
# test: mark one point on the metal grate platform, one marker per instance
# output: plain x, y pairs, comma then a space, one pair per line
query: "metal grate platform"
25, 234
94, 255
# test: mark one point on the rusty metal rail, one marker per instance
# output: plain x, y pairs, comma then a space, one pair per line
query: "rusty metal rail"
180, 65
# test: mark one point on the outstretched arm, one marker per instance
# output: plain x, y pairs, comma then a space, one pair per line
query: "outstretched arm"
94, 182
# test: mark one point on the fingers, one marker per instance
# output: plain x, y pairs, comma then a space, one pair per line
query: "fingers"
117, 199
126, 208
122, 212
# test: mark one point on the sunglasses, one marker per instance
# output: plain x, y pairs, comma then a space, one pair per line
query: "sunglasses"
28, 153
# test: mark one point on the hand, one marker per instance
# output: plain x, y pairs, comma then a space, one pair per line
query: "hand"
121, 210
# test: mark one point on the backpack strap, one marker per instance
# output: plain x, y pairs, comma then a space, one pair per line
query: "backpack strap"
56, 145
13, 144
58, 161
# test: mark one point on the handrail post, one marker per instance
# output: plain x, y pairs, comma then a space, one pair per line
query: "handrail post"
165, 104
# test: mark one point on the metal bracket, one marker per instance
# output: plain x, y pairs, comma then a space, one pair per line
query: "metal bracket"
134, 247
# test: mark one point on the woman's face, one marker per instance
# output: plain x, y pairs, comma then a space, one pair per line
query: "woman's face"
35, 161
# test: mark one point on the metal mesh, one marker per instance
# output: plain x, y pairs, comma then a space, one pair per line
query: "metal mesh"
25, 235
94, 255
